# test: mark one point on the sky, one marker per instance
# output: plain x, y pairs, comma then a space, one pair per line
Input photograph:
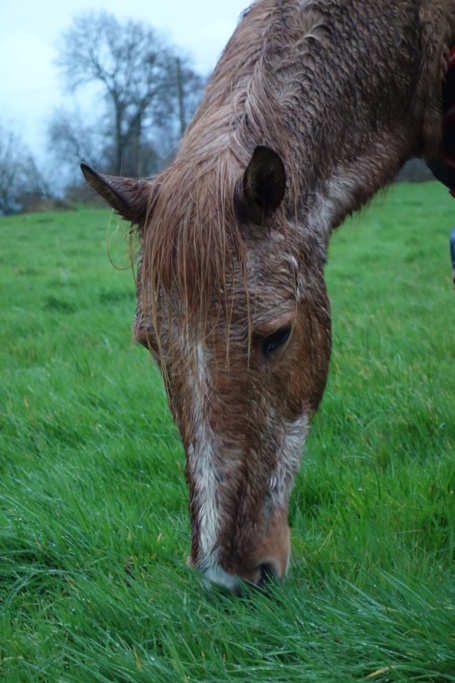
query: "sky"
30, 87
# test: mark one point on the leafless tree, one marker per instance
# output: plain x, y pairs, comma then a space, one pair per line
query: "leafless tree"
137, 79
71, 139
21, 182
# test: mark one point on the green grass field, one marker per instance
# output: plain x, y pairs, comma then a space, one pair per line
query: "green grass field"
94, 529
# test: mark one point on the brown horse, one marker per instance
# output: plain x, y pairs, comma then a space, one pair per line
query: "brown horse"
313, 106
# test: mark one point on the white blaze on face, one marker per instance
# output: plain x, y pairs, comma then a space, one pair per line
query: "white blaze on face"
202, 463
203, 454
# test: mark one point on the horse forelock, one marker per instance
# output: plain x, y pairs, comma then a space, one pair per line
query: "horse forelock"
191, 248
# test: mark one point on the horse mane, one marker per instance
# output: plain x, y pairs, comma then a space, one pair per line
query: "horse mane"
192, 246
285, 82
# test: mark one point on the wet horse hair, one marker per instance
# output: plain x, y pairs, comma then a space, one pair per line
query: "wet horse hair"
313, 107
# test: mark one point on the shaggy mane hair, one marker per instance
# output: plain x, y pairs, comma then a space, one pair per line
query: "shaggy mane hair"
320, 82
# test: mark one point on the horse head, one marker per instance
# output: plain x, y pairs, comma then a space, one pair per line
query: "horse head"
313, 107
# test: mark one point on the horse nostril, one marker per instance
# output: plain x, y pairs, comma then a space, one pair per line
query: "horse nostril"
267, 576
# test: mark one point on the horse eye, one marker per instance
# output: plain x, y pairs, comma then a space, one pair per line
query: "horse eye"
275, 340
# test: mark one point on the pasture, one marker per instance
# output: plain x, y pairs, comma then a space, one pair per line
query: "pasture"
94, 528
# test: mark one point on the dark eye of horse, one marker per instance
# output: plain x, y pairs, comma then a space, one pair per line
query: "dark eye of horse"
275, 340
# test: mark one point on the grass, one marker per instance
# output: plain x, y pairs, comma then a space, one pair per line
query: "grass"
94, 529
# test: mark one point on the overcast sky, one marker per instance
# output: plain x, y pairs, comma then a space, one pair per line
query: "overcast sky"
29, 83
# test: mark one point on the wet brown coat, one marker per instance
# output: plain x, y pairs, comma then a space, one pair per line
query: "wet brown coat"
234, 239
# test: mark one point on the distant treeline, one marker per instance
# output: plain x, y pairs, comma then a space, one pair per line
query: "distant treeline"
141, 94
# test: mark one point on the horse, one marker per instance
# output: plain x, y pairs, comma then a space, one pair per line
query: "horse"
313, 107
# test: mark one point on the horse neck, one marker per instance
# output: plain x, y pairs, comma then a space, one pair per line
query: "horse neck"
346, 92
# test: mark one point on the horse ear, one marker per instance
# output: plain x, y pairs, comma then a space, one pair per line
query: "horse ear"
128, 196
264, 183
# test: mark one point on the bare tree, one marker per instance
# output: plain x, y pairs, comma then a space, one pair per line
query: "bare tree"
20, 180
72, 139
135, 72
